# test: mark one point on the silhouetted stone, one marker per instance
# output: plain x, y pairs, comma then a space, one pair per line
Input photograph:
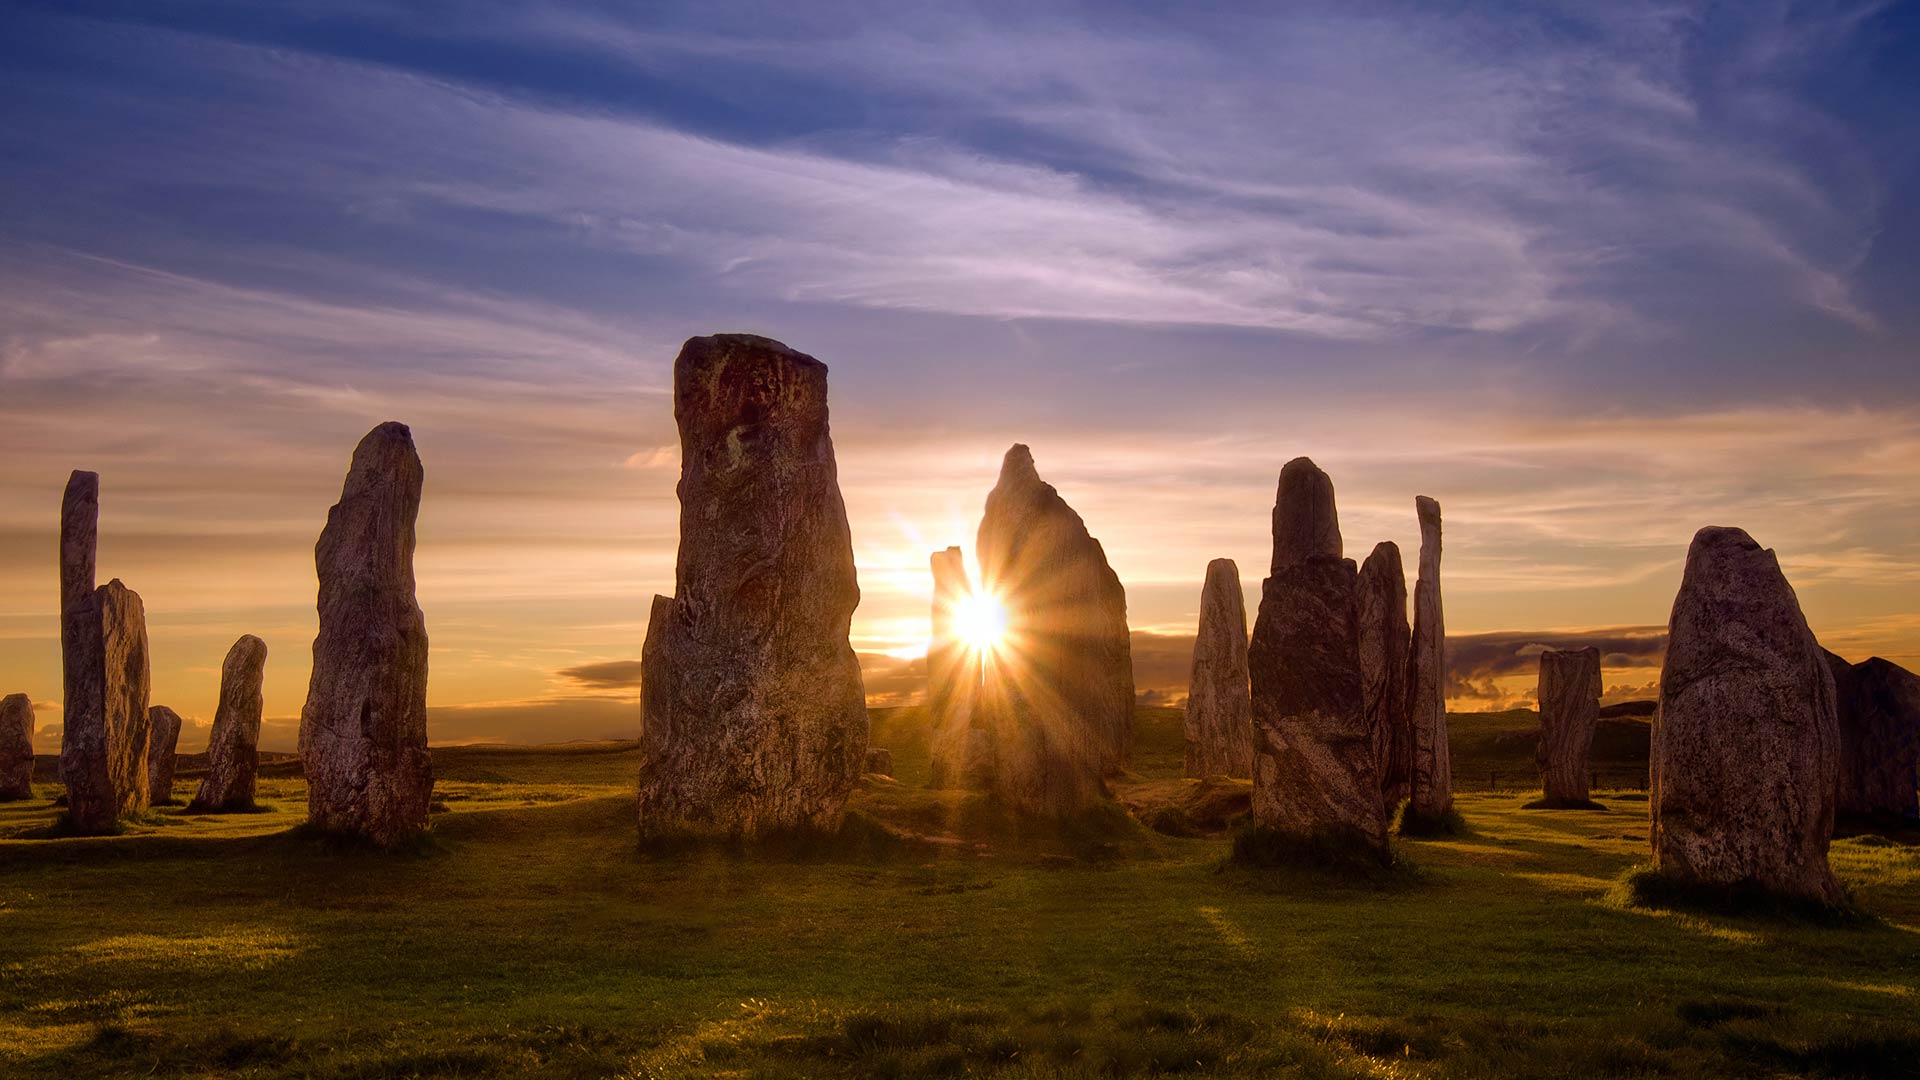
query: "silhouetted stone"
961, 751
124, 656
84, 750
756, 717
1316, 784
1569, 699
16, 747
880, 760
1059, 695
1219, 723
1746, 745
233, 749
363, 731
1879, 709
1386, 650
163, 740
1431, 798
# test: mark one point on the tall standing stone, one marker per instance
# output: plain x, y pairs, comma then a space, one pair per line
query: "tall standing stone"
1432, 775
1219, 722
1059, 694
1879, 704
961, 751
126, 713
756, 716
1569, 699
1315, 778
1386, 648
363, 730
16, 747
163, 744
92, 805
1746, 743
233, 749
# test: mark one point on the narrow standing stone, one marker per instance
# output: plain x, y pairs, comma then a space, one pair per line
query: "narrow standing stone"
123, 639
1315, 778
1219, 721
1569, 700
1059, 696
1432, 795
16, 748
92, 806
961, 751
1746, 745
233, 749
756, 716
163, 742
363, 730
1879, 704
1386, 649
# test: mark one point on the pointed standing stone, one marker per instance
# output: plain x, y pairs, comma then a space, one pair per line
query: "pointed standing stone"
1059, 695
1219, 722
233, 749
1315, 779
961, 752
1569, 700
1386, 648
1879, 704
756, 716
16, 748
163, 741
363, 731
123, 637
1746, 744
92, 805
1432, 794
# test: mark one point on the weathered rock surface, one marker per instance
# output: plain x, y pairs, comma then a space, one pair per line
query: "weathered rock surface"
1432, 775
961, 750
1879, 706
756, 717
363, 731
1058, 697
163, 741
880, 760
1219, 722
1569, 699
233, 749
1746, 745
84, 750
123, 639
1386, 650
1315, 777
16, 747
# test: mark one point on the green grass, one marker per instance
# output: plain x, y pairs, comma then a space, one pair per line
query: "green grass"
530, 935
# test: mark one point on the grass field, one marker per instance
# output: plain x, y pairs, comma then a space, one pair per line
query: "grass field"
528, 935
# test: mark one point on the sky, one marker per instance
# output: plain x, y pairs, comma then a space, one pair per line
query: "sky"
1592, 275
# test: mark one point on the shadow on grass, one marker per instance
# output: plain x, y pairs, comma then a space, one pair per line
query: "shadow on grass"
973, 827
1645, 888
1415, 825
1271, 861
1564, 804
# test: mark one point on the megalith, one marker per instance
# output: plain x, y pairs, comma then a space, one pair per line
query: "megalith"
1316, 782
233, 749
1569, 700
1386, 649
363, 730
1431, 795
1219, 721
755, 712
16, 747
1058, 695
961, 750
1746, 743
1879, 706
163, 743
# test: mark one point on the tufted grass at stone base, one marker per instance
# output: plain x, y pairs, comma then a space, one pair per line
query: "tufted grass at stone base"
529, 935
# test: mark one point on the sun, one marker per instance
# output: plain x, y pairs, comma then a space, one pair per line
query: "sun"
980, 621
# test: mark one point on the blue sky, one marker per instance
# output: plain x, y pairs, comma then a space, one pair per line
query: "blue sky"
1591, 274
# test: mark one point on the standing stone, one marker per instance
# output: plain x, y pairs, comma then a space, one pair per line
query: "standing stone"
1879, 704
1746, 745
16, 748
1432, 774
1315, 778
756, 718
163, 741
92, 805
233, 750
1219, 725
961, 751
363, 730
1386, 648
1569, 699
123, 639
1059, 695
880, 760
